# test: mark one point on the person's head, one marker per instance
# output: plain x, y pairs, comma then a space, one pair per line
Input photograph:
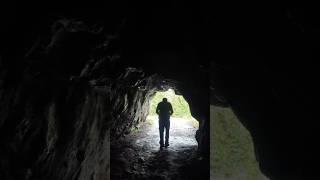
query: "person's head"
165, 100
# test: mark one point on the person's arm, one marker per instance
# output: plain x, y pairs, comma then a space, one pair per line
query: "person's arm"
158, 109
171, 110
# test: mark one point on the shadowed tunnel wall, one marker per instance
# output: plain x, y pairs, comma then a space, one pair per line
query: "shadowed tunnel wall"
58, 61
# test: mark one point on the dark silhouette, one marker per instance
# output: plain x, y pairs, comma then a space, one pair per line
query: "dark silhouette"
164, 110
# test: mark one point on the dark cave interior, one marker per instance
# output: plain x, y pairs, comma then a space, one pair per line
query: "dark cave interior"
74, 78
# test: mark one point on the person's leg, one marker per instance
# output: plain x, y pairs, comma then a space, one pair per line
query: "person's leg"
161, 130
167, 132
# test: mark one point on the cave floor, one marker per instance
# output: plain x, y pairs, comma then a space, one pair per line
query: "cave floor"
138, 155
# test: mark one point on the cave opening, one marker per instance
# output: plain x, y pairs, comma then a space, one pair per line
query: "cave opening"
183, 126
138, 155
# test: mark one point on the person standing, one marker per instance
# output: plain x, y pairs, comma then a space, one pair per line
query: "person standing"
164, 110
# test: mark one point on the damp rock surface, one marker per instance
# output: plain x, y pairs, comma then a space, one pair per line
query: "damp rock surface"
232, 153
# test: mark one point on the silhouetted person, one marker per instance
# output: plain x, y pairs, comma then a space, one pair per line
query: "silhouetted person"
164, 110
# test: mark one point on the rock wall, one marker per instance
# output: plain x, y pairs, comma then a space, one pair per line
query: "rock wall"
266, 74
73, 94
52, 59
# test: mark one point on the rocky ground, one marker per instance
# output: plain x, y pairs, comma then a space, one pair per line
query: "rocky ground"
138, 156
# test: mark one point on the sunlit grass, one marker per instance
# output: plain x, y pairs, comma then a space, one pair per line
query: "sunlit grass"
179, 104
181, 110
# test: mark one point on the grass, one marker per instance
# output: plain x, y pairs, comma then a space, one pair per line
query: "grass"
232, 154
180, 106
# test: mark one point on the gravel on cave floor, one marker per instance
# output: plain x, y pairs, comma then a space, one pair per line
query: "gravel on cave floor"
138, 155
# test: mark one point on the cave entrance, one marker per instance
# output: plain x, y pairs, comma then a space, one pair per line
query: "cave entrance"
138, 155
182, 125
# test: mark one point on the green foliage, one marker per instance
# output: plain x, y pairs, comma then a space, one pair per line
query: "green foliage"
232, 151
180, 106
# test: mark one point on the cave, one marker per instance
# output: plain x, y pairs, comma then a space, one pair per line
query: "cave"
76, 79
80, 82
138, 156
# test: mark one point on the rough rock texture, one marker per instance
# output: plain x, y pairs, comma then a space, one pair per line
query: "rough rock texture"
265, 69
71, 83
232, 154
58, 58
138, 156
54, 126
